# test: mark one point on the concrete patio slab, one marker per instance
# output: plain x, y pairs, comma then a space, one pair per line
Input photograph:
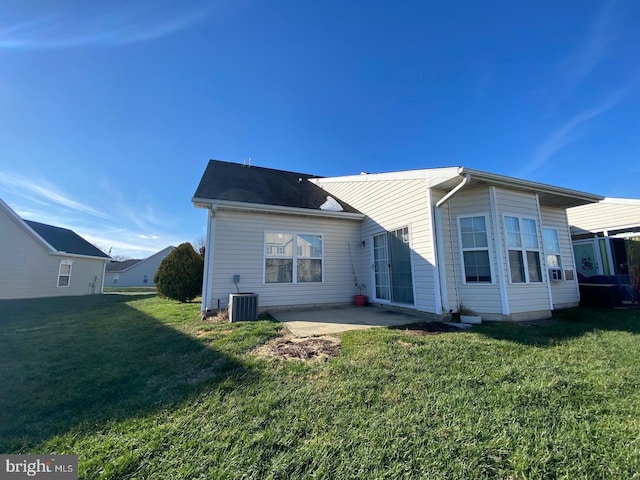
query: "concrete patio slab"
308, 323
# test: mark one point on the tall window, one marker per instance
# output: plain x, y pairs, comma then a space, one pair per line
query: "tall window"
521, 237
64, 273
552, 252
475, 249
293, 258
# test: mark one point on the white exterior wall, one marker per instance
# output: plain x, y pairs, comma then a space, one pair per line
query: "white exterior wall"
28, 270
609, 214
240, 250
482, 298
134, 276
390, 205
564, 293
523, 297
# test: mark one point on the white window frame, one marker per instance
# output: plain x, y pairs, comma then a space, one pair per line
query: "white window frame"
523, 249
294, 258
116, 279
463, 249
64, 263
145, 279
552, 253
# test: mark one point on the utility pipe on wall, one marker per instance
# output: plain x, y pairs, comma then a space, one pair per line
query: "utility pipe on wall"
444, 296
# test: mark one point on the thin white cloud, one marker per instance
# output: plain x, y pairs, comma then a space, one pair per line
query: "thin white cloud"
595, 48
567, 133
44, 193
106, 24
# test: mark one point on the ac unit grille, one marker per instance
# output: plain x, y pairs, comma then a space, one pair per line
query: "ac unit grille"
243, 307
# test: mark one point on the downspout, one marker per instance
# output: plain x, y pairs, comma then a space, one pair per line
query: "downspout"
444, 296
209, 252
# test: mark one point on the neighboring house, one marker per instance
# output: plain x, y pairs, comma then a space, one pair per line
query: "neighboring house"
433, 240
135, 273
39, 260
606, 243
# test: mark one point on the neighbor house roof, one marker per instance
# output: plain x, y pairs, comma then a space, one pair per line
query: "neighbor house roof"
65, 240
116, 266
233, 182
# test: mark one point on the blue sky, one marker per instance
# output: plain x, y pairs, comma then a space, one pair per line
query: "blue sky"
111, 110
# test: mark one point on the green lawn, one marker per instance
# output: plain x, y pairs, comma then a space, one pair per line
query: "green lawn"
140, 387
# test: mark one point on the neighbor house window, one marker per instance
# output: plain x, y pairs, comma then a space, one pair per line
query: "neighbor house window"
64, 273
475, 249
521, 238
145, 278
293, 258
116, 279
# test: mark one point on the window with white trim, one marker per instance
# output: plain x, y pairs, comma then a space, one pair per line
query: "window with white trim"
521, 239
475, 249
292, 258
552, 250
64, 272
145, 278
116, 278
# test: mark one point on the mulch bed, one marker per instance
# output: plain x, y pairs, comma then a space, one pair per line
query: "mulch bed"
427, 328
312, 348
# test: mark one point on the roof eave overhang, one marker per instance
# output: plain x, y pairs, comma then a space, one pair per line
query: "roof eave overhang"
214, 204
563, 197
58, 253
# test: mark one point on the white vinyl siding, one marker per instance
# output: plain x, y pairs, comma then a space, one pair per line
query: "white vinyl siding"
523, 297
390, 205
240, 250
608, 215
28, 270
482, 297
564, 294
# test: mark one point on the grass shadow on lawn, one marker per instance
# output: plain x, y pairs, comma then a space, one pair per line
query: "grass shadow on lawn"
565, 325
79, 362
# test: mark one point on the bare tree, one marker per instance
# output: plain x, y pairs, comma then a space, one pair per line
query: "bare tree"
200, 245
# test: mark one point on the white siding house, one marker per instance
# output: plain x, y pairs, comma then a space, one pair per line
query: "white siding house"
433, 240
38, 260
135, 273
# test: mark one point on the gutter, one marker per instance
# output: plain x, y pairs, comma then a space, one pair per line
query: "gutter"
444, 297
263, 208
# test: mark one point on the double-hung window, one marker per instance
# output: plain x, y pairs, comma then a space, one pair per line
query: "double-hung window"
64, 272
521, 238
475, 249
552, 253
292, 258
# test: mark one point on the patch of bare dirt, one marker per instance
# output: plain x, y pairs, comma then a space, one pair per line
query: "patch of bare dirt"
428, 328
221, 316
309, 348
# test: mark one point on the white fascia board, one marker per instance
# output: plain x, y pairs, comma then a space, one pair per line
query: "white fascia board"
517, 183
426, 174
621, 201
259, 207
59, 253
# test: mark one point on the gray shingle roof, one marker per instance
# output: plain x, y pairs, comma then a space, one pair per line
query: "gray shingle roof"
115, 266
65, 240
266, 186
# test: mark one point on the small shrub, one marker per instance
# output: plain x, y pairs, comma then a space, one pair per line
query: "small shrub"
179, 276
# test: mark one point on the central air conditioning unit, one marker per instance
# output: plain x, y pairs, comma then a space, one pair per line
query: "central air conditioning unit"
555, 274
243, 306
